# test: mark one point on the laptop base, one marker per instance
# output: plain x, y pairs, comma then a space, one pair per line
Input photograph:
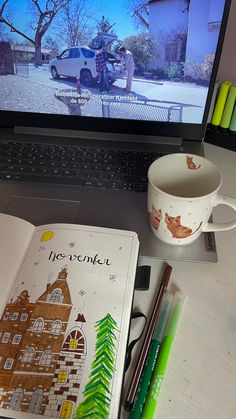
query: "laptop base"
65, 204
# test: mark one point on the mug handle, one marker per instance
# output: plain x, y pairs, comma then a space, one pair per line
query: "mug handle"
224, 200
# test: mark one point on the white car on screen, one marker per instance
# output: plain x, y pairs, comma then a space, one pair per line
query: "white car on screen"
79, 62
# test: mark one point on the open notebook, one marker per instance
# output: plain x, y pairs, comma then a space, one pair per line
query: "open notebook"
66, 296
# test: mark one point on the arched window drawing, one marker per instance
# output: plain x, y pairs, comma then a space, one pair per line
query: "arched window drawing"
36, 401
16, 399
28, 355
74, 341
56, 296
38, 325
46, 358
56, 327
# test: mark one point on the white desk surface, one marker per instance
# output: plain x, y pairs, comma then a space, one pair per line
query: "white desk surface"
200, 379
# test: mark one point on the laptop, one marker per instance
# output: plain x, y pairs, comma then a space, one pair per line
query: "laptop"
62, 118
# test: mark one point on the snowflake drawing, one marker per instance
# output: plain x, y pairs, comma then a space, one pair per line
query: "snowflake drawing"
42, 248
71, 245
112, 278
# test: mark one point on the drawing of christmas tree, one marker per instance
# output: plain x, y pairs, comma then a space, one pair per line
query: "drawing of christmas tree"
97, 392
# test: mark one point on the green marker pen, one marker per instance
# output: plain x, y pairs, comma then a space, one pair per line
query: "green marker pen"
152, 357
159, 370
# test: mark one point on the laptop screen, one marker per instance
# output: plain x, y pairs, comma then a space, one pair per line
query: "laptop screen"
124, 66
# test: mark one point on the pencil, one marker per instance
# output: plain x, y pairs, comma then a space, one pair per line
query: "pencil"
152, 357
129, 400
159, 370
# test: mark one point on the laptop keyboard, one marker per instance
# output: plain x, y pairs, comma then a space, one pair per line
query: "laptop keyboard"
89, 167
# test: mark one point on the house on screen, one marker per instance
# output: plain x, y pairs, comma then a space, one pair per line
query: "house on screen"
26, 54
180, 26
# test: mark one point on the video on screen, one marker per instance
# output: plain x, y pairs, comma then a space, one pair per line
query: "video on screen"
128, 59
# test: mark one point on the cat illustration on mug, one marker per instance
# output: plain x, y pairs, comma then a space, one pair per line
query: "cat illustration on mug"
155, 217
177, 230
190, 163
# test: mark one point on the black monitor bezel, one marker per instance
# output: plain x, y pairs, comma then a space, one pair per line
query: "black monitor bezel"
11, 119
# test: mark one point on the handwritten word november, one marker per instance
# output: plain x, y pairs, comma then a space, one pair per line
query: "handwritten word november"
95, 260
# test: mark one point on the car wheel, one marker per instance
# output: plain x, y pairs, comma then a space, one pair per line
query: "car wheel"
86, 78
54, 73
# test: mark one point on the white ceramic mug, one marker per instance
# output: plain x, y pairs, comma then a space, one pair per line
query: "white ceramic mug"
182, 192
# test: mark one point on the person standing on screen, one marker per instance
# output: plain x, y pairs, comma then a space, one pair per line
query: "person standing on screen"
127, 58
101, 68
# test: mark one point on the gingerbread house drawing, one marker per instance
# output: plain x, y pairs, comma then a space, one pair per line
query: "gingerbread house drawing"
14, 323
47, 360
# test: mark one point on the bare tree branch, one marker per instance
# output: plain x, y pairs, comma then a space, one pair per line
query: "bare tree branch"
75, 24
44, 21
2, 9
37, 6
14, 29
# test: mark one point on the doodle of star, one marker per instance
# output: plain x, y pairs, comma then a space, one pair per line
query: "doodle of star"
42, 248
112, 278
71, 244
36, 262
82, 292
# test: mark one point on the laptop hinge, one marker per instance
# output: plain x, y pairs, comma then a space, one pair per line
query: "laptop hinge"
54, 132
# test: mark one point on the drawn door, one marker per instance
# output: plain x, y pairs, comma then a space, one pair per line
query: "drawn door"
36, 401
66, 410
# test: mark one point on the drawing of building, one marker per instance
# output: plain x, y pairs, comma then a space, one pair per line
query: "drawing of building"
41, 363
13, 325
36, 359
63, 395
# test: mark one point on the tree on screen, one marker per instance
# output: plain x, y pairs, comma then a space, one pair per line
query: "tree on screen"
43, 14
50, 43
143, 49
75, 25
